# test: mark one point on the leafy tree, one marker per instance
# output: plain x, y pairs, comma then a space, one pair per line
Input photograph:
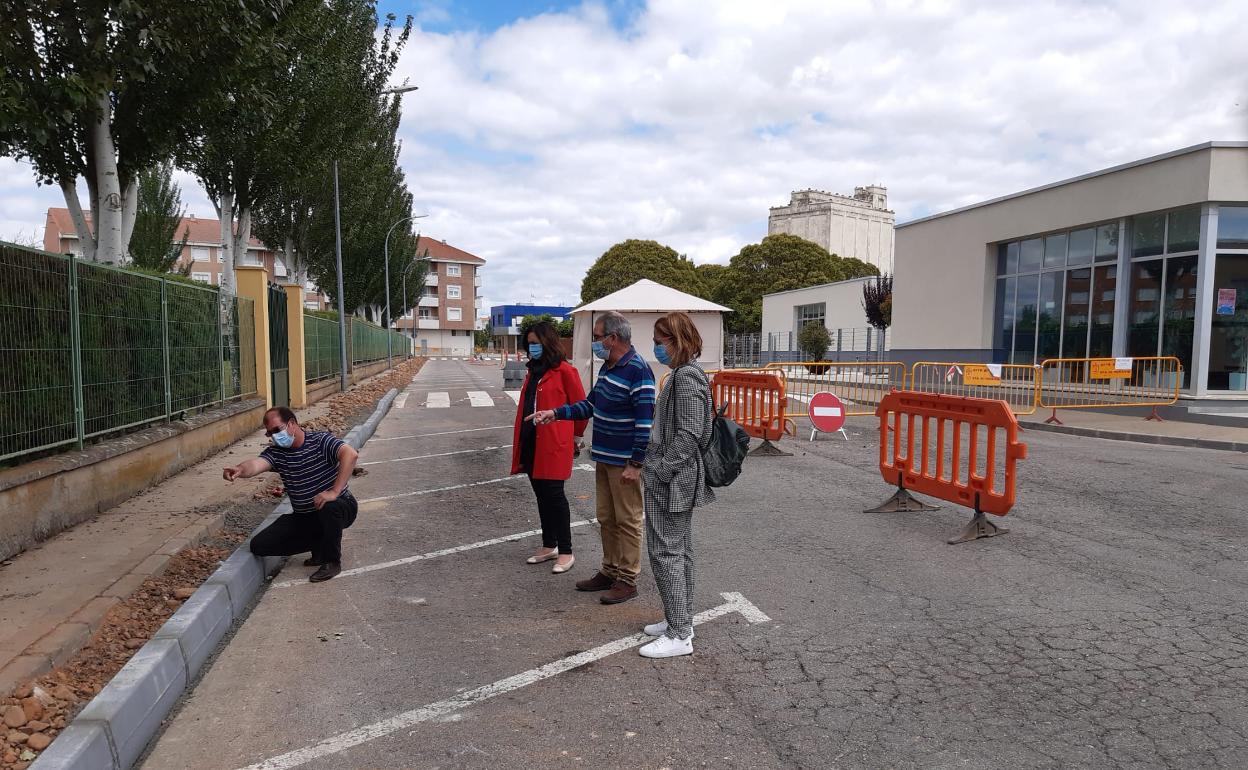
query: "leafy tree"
481, 338
153, 245
629, 261
100, 90
566, 327
877, 301
530, 321
779, 263
814, 341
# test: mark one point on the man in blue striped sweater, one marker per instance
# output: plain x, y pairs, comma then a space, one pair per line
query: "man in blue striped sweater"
622, 405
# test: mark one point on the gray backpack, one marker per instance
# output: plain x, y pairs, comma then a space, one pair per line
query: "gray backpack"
727, 448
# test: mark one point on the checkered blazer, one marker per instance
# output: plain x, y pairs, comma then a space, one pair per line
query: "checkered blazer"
674, 473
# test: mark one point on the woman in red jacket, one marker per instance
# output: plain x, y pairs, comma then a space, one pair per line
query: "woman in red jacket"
544, 452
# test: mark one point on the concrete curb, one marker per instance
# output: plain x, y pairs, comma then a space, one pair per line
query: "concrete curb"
113, 730
1140, 438
66, 639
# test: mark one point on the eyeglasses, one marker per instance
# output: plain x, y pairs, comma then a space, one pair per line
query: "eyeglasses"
601, 337
271, 431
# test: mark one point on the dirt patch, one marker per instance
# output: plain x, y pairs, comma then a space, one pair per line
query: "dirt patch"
346, 410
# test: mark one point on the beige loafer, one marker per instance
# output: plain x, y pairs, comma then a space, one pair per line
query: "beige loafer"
559, 569
552, 554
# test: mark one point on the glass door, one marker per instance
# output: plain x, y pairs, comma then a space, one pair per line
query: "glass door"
1228, 338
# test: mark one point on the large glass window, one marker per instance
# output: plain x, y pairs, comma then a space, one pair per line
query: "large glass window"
1107, 243
1082, 246
1228, 339
1031, 255
1104, 289
1078, 297
1179, 310
1183, 230
1025, 319
1004, 318
1049, 320
809, 313
1150, 235
1145, 307
1055, 251
1233, 227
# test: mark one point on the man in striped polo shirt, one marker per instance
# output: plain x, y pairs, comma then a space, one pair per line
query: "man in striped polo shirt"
622, 405
315, 467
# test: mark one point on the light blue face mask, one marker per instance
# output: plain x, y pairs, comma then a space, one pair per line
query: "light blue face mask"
283, 439
661, 355
535, 350
600, 350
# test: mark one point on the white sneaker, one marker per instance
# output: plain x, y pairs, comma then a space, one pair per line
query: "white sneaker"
660, 628
667, 647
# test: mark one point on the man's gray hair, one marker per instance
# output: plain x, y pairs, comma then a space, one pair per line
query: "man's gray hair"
614, 323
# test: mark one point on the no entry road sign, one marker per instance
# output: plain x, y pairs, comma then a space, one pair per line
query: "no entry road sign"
827, 413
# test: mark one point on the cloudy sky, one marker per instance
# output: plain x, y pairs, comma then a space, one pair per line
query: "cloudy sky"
544, 132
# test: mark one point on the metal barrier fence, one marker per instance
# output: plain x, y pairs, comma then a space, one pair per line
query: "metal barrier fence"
963, 450
756, 402
859, 386
368, 342
1099, 383
87, 350
1015, 384
322, 348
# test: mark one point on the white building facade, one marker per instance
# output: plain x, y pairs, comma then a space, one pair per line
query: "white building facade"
859, 226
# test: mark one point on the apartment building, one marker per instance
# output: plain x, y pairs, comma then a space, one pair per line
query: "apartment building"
446, 313
202, 251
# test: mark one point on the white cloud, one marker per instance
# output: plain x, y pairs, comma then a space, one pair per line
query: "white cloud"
540, 144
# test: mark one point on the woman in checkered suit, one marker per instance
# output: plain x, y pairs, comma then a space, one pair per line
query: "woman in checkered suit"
674, 479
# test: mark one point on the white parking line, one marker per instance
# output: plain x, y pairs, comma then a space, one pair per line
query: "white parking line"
581, 467
439, 454
430, 555
514, 394
440, 400
480, 398
443, 433
733, 602
400, 401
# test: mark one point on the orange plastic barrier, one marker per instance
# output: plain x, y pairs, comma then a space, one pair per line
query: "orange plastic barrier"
963, 450
756, 402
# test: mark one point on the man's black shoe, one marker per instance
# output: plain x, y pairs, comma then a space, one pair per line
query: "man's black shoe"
327, 571
313, 561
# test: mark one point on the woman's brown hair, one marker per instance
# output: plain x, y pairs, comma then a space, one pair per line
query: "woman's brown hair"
686, 341
552, 353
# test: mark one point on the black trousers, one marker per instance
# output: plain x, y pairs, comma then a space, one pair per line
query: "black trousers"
319, 532
552, 507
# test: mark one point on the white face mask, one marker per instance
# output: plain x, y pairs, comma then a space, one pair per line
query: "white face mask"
283, 439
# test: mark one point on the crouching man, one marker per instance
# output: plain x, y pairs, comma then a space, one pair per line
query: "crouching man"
315, 467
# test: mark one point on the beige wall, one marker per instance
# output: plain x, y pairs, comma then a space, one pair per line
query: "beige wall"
943, 288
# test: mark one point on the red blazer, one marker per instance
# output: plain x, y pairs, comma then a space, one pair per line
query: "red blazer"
552, 458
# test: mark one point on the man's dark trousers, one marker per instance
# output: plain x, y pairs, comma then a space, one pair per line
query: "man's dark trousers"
318, 531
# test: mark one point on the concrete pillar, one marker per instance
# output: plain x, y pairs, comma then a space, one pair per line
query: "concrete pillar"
294, 335
1205, 290
253, 283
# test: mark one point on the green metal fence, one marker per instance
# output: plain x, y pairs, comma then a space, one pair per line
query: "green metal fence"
321, 348
368, 343
88, 350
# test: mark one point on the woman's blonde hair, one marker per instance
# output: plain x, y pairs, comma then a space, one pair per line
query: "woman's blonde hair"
686, 341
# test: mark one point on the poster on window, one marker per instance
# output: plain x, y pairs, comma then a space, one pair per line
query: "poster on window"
1226, 301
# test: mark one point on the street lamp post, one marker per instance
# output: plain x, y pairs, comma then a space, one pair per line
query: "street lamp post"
390, 318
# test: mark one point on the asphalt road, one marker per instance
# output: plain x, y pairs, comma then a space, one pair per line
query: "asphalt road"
1105, 630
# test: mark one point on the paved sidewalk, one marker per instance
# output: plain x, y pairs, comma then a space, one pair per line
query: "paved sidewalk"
54, 596
1137, 428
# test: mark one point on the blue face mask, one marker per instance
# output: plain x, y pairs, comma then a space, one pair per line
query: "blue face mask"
283, 439
661, 355
600, 350
535, 350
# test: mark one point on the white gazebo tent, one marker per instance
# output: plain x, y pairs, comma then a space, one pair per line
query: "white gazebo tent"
644, 303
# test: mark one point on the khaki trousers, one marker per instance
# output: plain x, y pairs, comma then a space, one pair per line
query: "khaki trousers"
619, 518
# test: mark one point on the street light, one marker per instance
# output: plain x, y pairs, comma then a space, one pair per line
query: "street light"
389, 317
342, 312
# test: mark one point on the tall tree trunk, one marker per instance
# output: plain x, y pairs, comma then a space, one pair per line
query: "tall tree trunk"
129, 213
295, 264
86, 238
242, 235
225, 211
108, 227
